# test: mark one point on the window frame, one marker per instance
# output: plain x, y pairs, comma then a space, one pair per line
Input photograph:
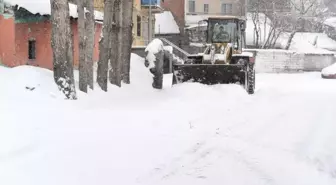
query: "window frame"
193, 2
206, 8
139, 31
227, 7
31, 49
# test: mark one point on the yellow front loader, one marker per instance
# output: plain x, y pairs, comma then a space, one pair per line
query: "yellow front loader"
223, 61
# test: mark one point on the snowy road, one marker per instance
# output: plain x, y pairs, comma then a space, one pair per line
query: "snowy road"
190, 134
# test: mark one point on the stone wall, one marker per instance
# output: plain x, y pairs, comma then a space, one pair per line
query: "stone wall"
316, 62
276, 61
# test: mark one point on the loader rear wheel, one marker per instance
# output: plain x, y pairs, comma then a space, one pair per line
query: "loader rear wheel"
250, 79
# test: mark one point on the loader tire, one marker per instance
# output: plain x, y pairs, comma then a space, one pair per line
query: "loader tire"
250, 79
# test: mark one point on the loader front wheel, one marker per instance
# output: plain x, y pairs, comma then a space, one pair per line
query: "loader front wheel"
250, 79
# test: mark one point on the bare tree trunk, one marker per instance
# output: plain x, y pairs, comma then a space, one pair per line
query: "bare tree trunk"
83, 80
90, 33
128, 39
275, 39
269, 39
289, 42
105, 45
255, 20
62, 46
116, 42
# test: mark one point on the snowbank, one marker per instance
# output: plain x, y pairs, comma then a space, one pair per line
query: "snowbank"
329, 72
166, 24
304, 42
331, 22
43, 7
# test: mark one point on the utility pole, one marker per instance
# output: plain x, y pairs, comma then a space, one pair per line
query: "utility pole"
246, 7
150, 22
2, 6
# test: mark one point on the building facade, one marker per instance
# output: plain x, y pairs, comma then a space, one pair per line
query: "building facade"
270, 6
215, 7
25, 39
177, 9
141, 33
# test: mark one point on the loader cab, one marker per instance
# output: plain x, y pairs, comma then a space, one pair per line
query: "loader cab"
224, 30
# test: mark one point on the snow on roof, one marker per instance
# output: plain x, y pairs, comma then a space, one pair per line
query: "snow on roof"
43, 7
193, 20
166, 24
331, 22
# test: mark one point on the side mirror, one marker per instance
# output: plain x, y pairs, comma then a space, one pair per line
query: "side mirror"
235, 46
201, 32
243, 26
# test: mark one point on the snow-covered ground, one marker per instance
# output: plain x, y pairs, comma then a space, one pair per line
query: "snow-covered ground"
188, 134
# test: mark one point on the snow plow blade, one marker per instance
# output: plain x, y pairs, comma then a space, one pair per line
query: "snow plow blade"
210, 74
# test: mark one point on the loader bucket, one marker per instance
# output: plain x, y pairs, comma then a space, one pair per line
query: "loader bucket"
210, 74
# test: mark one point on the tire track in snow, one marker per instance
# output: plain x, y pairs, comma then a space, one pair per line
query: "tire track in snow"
208, 155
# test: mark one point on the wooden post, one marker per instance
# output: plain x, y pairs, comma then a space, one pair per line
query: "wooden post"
158, 70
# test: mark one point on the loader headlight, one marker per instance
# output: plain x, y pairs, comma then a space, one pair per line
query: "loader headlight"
251, 59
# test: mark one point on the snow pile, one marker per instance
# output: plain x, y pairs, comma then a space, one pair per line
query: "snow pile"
331, 22
329, 71
30, 80
304, 42
189, 134
43, 7
153, 48
166, 24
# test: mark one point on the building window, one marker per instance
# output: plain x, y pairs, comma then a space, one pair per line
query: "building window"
192, 6
31, 49
138, 26
226, 9
206, 8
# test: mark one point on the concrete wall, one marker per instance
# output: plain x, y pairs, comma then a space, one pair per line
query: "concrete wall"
274, 61
316, 62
